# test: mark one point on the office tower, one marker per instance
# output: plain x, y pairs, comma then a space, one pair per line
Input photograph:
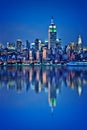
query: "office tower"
79, 43
10, 46
52, 33
30, 55
37, 44
19, 44
79, 40
27, 44
58, 43
37, 56
44, 53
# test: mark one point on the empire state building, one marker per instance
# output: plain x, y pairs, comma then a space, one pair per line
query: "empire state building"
52, 34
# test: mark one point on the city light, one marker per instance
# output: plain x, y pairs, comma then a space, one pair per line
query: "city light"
50, 52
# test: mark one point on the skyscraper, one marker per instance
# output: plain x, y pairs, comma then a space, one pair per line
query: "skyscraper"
19, 44
79, 43
52, 33
79, 40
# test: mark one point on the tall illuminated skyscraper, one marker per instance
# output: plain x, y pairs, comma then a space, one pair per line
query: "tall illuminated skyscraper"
79, 43
79, 40
52, 34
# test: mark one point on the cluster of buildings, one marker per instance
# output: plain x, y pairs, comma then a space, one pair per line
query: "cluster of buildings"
48, 52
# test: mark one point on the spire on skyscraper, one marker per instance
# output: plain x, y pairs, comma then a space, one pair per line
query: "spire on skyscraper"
52, 20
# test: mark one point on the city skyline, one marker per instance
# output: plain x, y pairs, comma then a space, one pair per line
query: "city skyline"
28, 20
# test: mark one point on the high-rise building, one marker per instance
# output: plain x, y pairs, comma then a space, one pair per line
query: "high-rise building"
79, 43
27, 44
19, 44
10, 46
37, 56
30, 55
79, 40
52, 34
37, 44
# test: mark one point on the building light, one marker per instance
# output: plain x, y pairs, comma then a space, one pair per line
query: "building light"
50, 26
54, 26
46, 41
39, 41
57, 40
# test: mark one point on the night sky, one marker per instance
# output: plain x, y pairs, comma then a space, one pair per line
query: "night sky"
28, 20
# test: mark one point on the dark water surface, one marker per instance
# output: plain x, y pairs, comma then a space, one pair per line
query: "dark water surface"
43, 98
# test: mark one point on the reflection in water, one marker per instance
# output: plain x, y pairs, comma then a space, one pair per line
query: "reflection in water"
47, 79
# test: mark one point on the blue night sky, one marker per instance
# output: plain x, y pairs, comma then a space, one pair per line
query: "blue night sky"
27, 19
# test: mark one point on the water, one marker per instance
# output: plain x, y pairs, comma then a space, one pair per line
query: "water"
40, 98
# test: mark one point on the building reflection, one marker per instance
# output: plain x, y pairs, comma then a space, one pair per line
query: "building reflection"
47, 79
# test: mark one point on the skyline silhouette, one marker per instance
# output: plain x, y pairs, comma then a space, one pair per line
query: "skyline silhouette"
30, 19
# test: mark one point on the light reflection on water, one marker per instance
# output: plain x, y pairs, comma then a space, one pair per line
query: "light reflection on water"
43, 78
51, 81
